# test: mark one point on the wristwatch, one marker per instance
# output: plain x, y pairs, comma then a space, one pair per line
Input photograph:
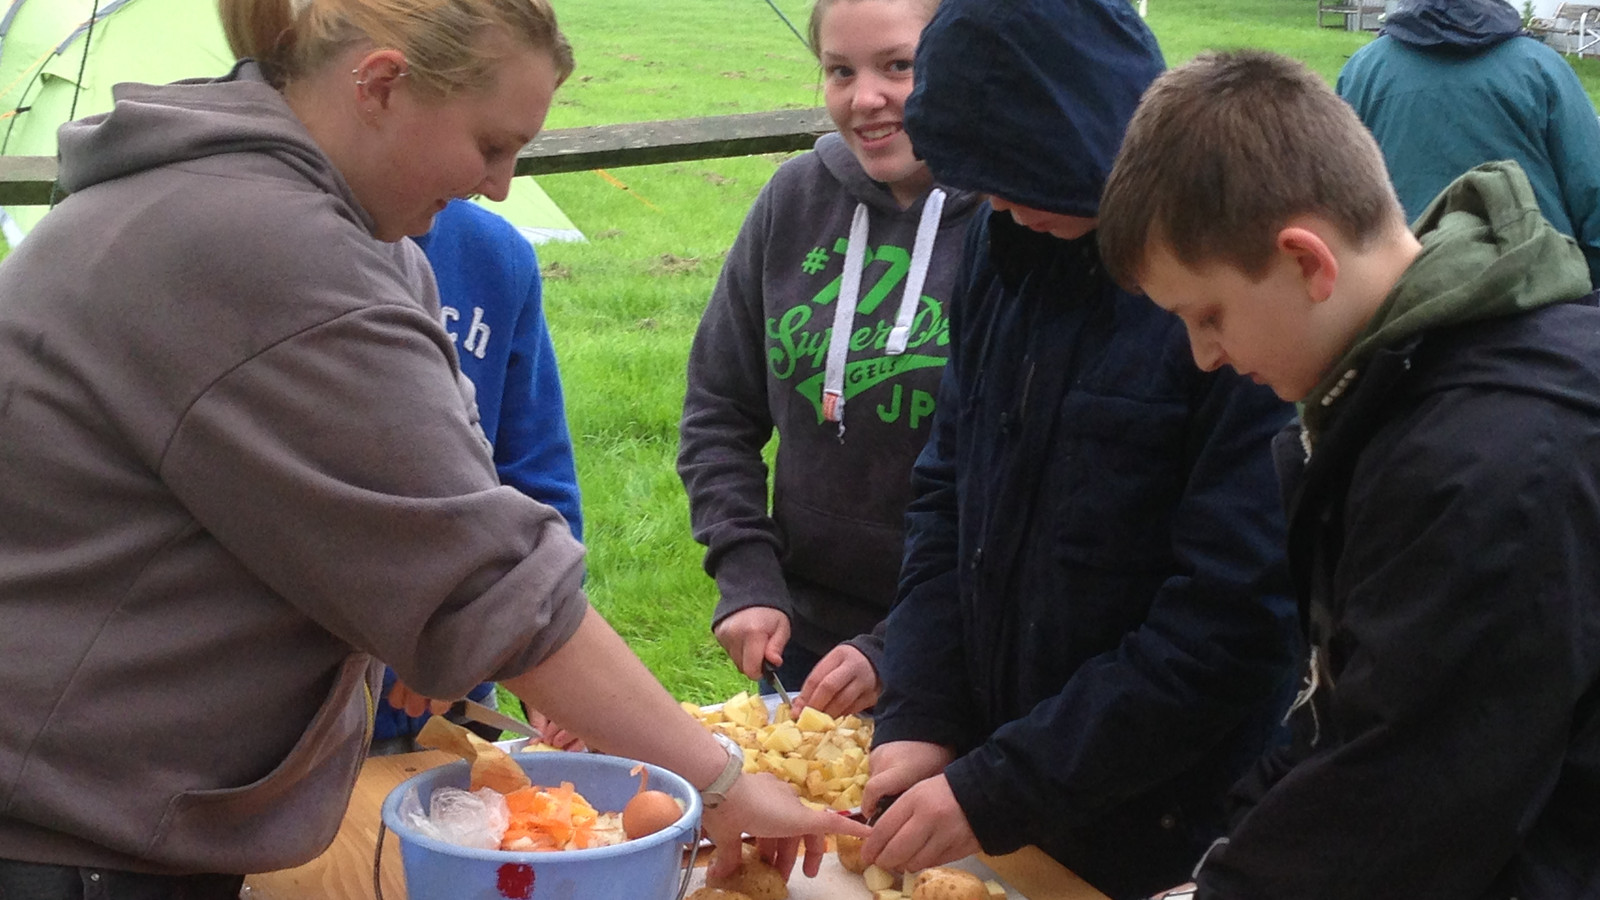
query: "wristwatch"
712, 795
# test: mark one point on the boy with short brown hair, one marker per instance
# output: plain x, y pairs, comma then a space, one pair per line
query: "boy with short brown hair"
1443, 489
1273, 143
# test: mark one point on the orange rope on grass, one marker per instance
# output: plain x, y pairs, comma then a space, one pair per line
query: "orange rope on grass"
614, 182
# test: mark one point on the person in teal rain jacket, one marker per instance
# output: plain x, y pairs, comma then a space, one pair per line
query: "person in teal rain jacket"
1451, 84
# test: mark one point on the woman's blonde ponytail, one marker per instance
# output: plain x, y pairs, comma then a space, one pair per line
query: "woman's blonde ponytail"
443, 40
256, 28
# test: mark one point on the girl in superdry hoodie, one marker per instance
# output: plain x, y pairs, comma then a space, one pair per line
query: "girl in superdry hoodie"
828, 324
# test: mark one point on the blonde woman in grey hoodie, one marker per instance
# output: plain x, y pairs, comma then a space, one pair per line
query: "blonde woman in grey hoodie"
240, 465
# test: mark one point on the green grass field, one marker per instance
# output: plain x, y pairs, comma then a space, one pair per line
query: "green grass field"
623, 307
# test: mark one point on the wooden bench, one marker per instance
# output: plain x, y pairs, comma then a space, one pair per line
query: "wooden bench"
29, 180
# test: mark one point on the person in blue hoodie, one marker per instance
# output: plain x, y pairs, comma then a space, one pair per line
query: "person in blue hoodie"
1092, 638
491, 300
1451, 84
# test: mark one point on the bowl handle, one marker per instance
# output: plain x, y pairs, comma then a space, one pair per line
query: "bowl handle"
377, 861
688, 870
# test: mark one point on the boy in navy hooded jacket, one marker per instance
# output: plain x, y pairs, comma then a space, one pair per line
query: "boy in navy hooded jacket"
1091, 640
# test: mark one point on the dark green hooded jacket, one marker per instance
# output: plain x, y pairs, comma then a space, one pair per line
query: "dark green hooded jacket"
1443, 536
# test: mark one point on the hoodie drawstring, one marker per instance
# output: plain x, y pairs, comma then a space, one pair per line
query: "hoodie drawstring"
844, 312
921, 256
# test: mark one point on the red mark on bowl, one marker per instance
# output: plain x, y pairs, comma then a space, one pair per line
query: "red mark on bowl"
516, 881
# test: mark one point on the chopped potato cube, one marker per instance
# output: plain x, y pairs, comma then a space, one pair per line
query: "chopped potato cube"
783, 738
815, 720
850, 799
879, 879
814, 784
795, 769
823, 761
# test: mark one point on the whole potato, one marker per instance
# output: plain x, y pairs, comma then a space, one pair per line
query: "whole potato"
755, 878
849, 850
944, 883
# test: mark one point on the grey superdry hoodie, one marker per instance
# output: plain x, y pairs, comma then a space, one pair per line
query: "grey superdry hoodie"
236, 458
828, 550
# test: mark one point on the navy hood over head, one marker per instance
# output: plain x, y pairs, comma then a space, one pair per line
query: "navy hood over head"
1468, 25
1028, 99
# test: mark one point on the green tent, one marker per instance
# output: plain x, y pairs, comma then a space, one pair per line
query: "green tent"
42, 51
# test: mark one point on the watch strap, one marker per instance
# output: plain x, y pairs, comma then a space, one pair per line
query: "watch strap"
712, 795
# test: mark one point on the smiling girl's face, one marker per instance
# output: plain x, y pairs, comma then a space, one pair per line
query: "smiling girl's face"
866, 49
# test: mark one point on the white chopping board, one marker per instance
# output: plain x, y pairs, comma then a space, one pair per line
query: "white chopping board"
834, 882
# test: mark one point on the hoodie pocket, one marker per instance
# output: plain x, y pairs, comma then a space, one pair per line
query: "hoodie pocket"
856, 560
1124, 473
289, 816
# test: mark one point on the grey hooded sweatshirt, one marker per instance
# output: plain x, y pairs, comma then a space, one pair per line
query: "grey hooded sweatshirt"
237, 462
824, 250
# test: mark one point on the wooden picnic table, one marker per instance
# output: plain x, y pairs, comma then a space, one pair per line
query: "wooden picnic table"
344, 871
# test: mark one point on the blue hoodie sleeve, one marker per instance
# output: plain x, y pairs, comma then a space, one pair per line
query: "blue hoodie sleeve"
1217, 642
532, 444
489, 282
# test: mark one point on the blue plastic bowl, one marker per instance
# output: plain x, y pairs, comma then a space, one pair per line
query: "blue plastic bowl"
649, 868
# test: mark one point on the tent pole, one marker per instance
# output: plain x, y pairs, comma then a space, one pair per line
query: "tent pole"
77, 88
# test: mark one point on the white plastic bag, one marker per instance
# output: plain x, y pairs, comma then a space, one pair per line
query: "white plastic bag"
460, 817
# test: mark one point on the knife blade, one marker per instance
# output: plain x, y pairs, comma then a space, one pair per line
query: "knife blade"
771, 675
477, 712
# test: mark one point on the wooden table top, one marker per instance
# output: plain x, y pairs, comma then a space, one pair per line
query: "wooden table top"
344, 870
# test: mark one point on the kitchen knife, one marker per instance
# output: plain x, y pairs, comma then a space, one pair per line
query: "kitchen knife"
477, 712
771, 675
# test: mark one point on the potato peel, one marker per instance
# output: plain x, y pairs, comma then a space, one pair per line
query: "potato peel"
491, 766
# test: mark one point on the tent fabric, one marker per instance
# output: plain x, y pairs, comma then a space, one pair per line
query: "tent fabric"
155, 41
